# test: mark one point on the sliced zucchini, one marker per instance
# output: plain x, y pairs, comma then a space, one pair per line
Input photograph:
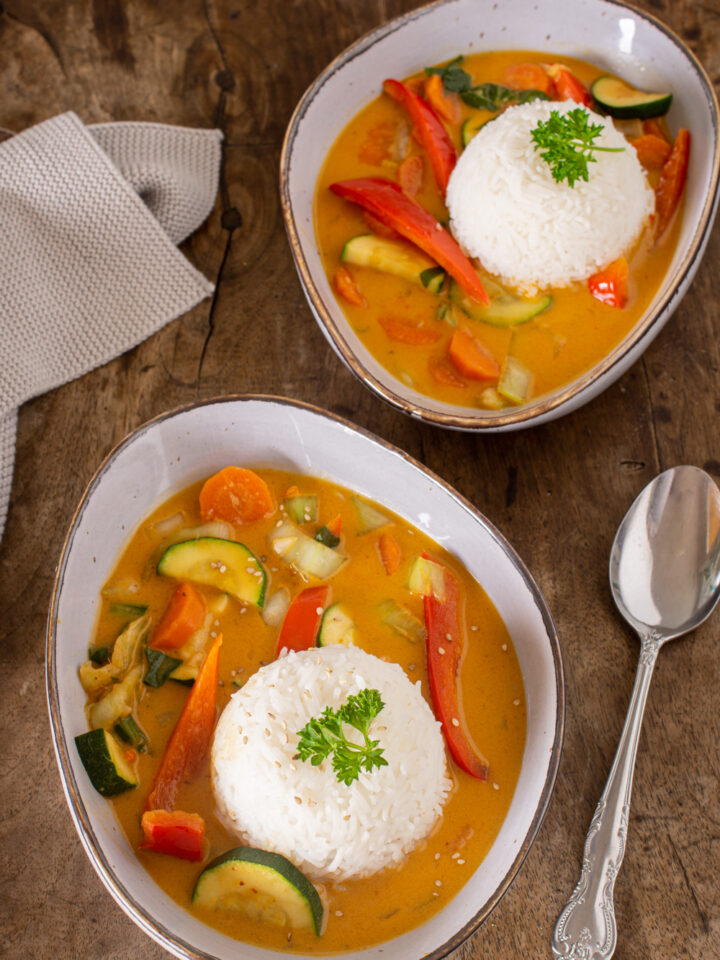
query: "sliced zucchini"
336, 626
186, 674
160, 667
224, 564
505, 309
326, 536
261, 885
515, 381
470, 128
620, 100
426, 578
402, 622
395, 257
128, 730
301, 509
102, 757
309, 556
368, 517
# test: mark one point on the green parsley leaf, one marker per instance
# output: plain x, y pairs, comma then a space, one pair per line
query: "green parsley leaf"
323, 736
567, 142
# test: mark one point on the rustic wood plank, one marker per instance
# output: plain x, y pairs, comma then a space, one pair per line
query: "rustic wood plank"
556, 492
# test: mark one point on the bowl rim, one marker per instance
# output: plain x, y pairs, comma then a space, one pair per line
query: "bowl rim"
546, 404
73, 794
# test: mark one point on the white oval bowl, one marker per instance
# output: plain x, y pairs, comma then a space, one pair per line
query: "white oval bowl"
616, 37
183, 446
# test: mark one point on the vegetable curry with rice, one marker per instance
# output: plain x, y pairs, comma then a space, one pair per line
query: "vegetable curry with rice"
438, 320
224, 578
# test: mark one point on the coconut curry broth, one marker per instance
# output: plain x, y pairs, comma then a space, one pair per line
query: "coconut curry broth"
557, 346
370, 910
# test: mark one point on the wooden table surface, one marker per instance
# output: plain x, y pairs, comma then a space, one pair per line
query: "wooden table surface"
557, 492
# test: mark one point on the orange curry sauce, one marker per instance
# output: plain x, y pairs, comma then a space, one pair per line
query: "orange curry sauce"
557, 346
366, 911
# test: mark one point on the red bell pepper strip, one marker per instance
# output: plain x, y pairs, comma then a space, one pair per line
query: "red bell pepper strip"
444, 652
386, 201
432, 134
567, 85
300, 625
672, 180
176, 833
189, 741
610, 285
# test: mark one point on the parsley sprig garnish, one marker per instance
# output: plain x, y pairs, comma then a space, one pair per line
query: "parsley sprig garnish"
323, 736
568, 143
483, 96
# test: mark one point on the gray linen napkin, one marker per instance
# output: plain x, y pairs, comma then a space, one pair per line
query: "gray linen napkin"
89, 219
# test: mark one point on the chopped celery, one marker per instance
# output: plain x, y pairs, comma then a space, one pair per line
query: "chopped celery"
309, 556
403, 622
301, 509
426, 578
515, 381
368, 517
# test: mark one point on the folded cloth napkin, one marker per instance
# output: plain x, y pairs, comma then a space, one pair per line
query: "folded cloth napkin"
89, 219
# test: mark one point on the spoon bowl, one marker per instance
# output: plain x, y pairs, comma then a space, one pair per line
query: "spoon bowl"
665, 580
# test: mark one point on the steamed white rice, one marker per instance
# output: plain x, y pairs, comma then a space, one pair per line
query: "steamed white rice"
507, 211
278, 803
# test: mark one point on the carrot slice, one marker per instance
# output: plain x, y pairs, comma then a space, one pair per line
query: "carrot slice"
335, 525
390, 552
471, 358
653, 127
610, 285
672, 180
442, 373
567, 85
183, 616
189, 741
348, 289
175, 833
378, 227
292, 491
410, 174
378, 144
652, 151
528, 76
445, 105
236, 495
403, 332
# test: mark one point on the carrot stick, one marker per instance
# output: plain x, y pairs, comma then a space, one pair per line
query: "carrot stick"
348, 289
652, 151
236, 495
442, 373
402, 332
672, 180
189, 741
410, 174
183, 616
471, 358
445, 105
390, 552
335, 525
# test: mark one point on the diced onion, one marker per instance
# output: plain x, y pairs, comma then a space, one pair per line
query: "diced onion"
275, 608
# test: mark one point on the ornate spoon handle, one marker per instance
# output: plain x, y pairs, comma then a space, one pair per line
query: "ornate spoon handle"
586, 928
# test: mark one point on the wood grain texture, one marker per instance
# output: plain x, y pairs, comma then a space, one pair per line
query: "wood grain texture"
557, 492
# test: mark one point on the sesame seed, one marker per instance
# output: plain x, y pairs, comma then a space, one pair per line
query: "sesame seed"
441, 649
504, 647
249, 569
277, 763
460, 861
267, 732
346, 817
437, 856
473, 627
221, 683
245, 739
495, 786
297, 799
339, 913
516, 703
271, 715
455, 722
455, 855
318, 610
240, 670
411, 666
223, 568
438, 883
435, 893
213, 634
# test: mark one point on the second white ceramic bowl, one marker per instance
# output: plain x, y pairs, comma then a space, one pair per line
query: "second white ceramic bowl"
610, 34
183, 446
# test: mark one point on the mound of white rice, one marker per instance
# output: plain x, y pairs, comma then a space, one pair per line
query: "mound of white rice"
278, 803
508, 211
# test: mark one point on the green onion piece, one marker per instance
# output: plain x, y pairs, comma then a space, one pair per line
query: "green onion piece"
160, 667
128, 730
131, 610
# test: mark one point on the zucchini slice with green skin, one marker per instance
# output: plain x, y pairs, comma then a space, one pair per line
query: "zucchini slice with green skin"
185, 674
336, 626
301, 509
102, 757
368, 517
470, 128
395, 257
505, 309
224, 564
620, 100
262, 885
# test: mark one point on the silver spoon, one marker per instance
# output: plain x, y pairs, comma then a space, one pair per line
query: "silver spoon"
665, 580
